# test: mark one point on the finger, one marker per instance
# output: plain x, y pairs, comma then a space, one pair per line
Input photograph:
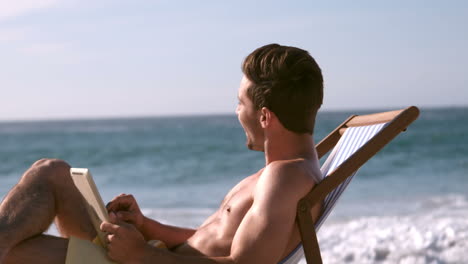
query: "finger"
122, 224
106, 239
116, 221
109, 227
127, 198
112, 205
126, 216
121, 203
112, 202
113, 218
117, 205
110, 238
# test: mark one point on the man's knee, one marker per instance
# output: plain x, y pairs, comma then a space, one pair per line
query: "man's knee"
50, 168
50, 162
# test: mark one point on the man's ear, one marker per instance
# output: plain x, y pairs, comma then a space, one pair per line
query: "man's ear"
265, 117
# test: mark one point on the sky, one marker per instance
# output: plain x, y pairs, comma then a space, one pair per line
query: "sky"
63, 59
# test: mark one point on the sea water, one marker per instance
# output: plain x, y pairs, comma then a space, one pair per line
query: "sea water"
408, 204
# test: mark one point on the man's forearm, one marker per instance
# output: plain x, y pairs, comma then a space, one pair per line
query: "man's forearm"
170, 235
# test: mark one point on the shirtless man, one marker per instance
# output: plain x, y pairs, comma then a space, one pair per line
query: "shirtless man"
279, 96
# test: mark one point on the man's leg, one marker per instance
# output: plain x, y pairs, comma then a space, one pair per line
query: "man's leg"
42, 249
46, 191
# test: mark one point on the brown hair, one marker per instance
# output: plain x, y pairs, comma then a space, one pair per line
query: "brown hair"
288, 82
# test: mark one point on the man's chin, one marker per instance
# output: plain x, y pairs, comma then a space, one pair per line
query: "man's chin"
254, 148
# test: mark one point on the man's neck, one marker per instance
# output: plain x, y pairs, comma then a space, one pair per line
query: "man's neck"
289, 147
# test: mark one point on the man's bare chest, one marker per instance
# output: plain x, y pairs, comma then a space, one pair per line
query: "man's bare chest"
237, 202
214, 236
233, 208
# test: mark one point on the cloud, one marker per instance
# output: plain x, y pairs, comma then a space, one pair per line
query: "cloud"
9, 8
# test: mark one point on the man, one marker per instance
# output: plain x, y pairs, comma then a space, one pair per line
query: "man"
279, 96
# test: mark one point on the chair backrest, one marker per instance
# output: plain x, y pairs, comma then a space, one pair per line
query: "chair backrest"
352, 139
353, 142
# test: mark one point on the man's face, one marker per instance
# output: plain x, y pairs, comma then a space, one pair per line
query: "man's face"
249, 118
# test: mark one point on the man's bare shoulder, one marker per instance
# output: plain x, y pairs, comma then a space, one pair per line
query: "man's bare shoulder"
290, 176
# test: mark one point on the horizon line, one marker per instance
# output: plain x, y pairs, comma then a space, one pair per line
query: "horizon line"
187, 115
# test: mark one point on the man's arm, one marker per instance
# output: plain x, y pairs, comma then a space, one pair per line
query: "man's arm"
263, 234
171, 235
127, 210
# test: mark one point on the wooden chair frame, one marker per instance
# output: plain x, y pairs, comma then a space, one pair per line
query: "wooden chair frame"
397, 120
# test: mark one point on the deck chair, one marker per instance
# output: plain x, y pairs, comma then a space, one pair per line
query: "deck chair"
354, 142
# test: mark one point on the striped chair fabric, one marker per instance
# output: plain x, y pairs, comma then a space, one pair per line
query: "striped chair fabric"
352, 139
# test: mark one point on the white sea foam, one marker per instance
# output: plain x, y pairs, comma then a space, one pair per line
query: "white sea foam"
412, 239
438, 234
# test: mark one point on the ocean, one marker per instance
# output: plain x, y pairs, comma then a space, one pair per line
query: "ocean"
408, 204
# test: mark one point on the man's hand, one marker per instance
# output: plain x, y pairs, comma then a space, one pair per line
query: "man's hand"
125, 244
126, 209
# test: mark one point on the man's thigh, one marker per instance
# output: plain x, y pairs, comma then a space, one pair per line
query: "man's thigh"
39, 249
